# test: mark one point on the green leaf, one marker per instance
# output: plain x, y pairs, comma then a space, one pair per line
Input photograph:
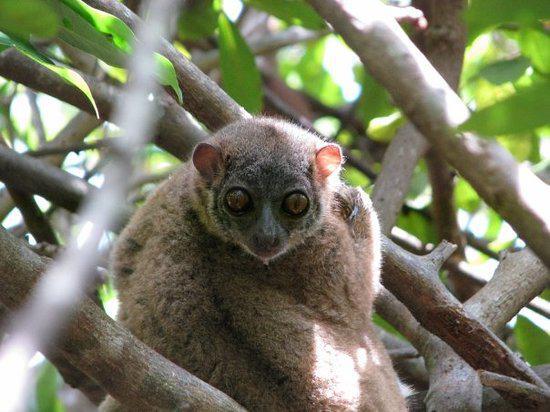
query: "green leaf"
379, 321
383, 129
114, 28
240, 76
533, 342
106, 37
375, 100
293, 12
504, 71
535, 44
46, 390
166, 75
78, 32
419, 225
67, 74
198, 19
493, 226
24, 18
483, 15
525, 110
466, 197
316, 80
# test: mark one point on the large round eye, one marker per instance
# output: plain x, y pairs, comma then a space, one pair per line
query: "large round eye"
296, 204
238, 201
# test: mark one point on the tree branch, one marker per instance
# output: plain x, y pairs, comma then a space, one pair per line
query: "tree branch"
176, 133
539, 396
34, 176
124, 366
272, 42
393, 182
414, 280
518, 279
428, 101
204, 98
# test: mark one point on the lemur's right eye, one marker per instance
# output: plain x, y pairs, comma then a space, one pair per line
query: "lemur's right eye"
296, 204
238, 201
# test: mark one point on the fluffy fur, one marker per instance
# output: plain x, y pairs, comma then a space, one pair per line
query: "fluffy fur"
294, 334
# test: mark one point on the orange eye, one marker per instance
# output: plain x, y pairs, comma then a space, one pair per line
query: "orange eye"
238, 201
296, 204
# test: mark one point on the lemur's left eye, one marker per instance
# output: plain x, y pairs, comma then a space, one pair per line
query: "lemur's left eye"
238, 201
296, 204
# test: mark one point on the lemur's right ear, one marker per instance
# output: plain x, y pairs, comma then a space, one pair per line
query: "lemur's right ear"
328, 160
207, 159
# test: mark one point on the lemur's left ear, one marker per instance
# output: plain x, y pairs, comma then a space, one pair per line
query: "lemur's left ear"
207, 159
328, 159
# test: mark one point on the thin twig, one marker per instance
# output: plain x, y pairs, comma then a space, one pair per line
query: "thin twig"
538, 395
267, 44
36, 117
76, 147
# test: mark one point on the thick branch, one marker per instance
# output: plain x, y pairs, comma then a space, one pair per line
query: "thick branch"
413, 279
428, 101
519, 278
492, 401
124, 366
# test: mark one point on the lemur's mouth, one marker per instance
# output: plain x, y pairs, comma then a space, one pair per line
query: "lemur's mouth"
266, 254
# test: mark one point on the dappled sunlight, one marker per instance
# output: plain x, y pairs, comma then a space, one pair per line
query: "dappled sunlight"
335, 370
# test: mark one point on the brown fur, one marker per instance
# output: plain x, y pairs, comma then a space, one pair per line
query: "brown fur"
292, 335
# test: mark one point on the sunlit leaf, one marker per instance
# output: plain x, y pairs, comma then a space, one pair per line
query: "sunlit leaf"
114, 28
241, 78
383, 129
419, 181
24, 18
164, 69
294, 12
355, 178
493, 226
466, 197
482, 15
67, 74
78, 32
533, 342
525, 110
46, 390
316, 80
106, 37
505, 70
536, 45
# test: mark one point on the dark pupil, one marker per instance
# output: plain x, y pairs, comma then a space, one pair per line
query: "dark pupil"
296, 204
237, 200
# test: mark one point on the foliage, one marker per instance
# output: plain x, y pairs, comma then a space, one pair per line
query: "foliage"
505, 82
241, 78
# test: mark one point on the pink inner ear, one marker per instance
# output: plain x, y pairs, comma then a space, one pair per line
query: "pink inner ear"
328, 159
207, 160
